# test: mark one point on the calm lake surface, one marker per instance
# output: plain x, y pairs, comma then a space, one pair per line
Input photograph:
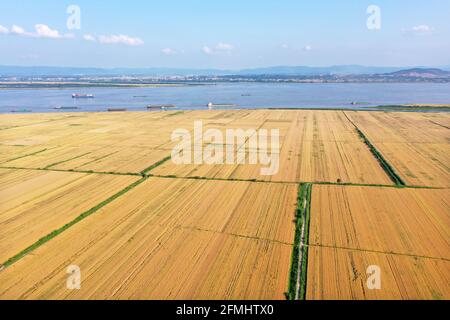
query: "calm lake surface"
244, 95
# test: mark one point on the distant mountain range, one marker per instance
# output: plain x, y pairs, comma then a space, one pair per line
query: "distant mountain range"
315, 71
17, 71
429, 73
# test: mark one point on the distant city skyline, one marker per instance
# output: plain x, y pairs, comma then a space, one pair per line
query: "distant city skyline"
228, 34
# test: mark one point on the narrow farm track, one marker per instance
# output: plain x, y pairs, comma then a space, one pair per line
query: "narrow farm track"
302, 246
149, 174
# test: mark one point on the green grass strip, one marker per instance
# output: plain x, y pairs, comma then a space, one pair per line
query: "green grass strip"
57, 232
383, 162
304, 193
304, 266
144, 172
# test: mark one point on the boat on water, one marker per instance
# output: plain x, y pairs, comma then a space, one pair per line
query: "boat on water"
160, 106
82, 96
117, 109
228, 105
21, 111
66, 108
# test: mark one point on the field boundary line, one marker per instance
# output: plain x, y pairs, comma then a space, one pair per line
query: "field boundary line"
234, 235
244, 145
440, 125
1, 129
220, 179
378, 251
98, 159
64, 161
75, 171
392, 186
43, 122
26, 155
149, 175
344, 184
60, 230
385, 165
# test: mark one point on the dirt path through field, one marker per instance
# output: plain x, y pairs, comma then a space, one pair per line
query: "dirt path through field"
301, 246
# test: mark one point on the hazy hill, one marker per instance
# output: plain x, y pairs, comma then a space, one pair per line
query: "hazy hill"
421, 73
280, 70
314, 71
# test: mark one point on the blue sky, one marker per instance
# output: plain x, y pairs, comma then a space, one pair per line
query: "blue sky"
224, 33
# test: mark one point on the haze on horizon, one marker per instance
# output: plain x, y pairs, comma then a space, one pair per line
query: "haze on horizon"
228, 34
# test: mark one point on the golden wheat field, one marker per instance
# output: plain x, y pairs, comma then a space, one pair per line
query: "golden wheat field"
315, 146
416, 144
34, 203
341, 274
237, 246
100, 191
404, 231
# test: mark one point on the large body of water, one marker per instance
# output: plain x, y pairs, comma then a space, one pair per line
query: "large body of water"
243, 95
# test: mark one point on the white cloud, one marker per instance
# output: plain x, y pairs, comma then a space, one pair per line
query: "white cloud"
3, 29
221, 47
18, 30
41, 31
169, 51
224, 47
89, 37
307, 48
207, 50
44, 31
284, 46
114, 39
420, 30
29, 56
121, 39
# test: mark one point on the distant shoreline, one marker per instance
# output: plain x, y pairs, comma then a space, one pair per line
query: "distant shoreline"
388, 108
26, 85
75, 85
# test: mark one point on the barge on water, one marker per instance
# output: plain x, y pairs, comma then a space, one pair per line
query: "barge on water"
117, 109
221, 105
160, 106
21, 111
82, 96
66, 108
